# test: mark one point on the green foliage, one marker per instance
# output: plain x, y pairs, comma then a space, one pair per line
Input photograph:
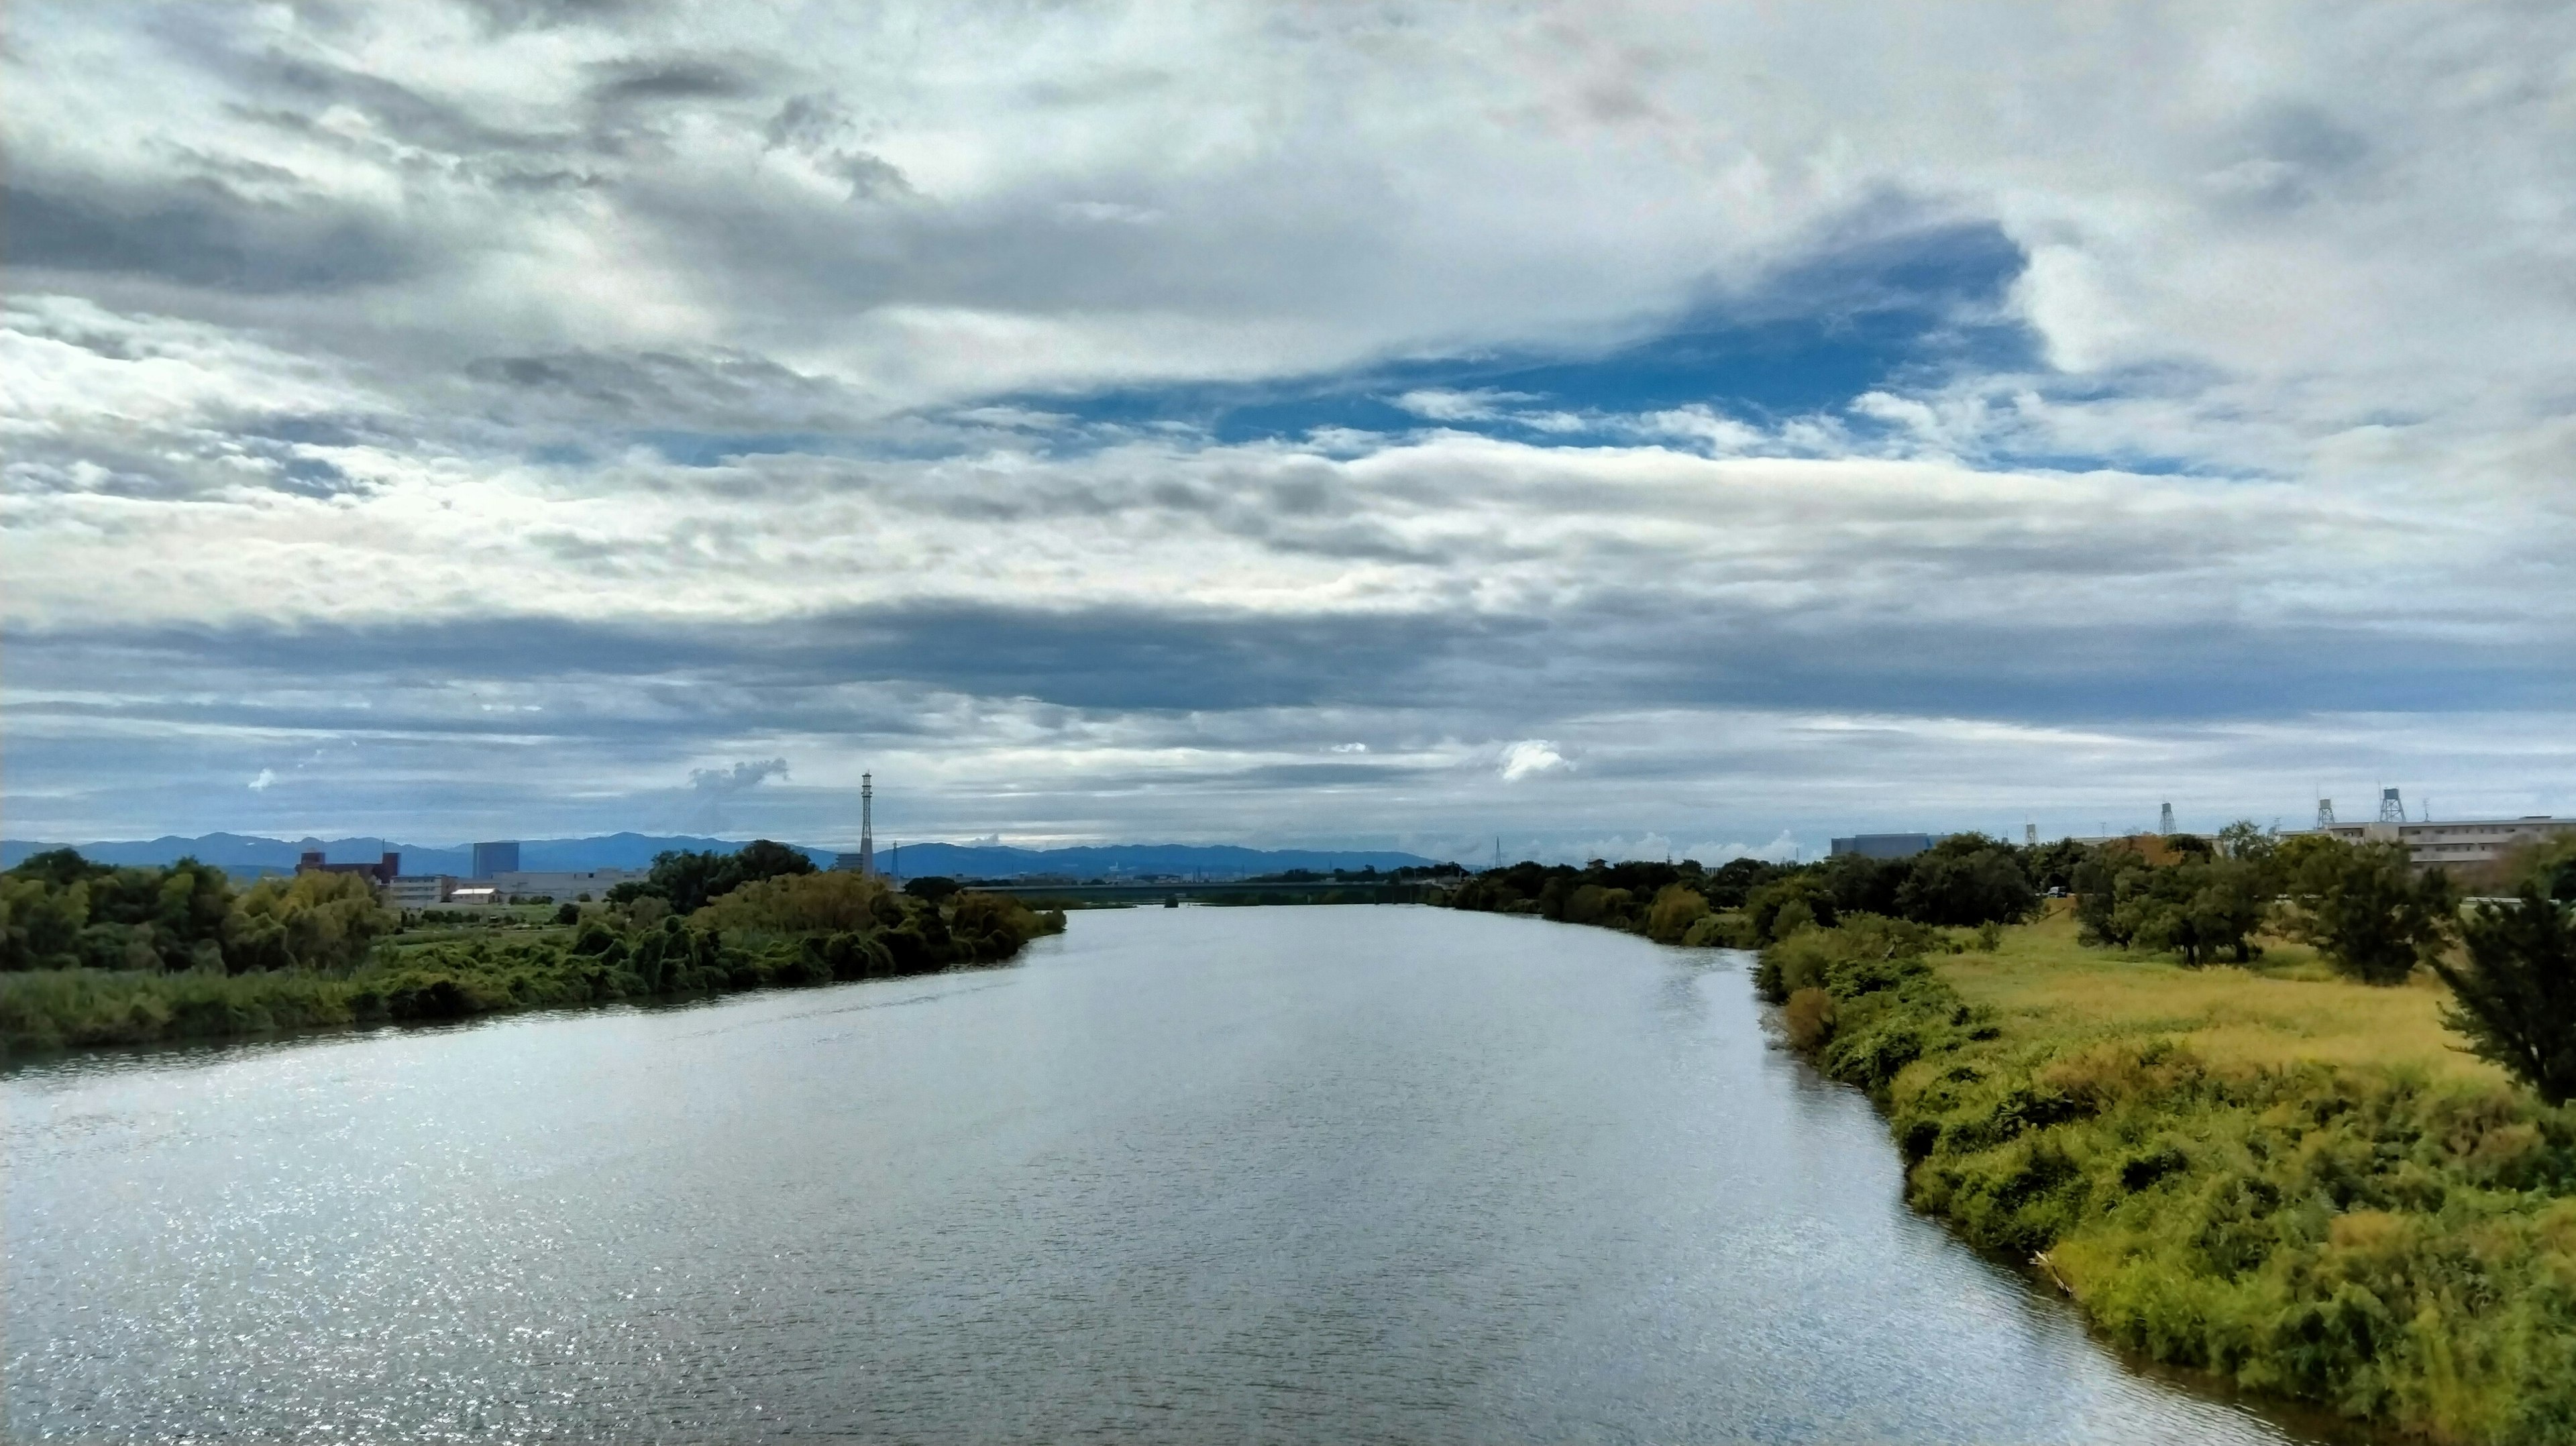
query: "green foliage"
307, 934
2248, 840
309, 921
2367, 910
687, 880
59, 911
2548, 868
2195, 908
1608, 895
2517, 993
2097, 884
933, 887
2360, 1238
1676, 908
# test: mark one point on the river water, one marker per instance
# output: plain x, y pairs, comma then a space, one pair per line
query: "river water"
1290, 1174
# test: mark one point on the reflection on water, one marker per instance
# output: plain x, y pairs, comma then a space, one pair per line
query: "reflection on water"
1286, 1174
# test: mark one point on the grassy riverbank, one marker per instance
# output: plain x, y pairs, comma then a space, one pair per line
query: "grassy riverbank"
2273, 1175
454, 974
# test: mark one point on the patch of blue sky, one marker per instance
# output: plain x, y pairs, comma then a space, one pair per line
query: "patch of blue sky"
1810, 339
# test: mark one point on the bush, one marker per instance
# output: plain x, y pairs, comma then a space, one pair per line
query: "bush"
1808, 1018
1676, 908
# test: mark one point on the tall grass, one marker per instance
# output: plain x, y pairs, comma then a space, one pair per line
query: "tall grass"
2291, 1182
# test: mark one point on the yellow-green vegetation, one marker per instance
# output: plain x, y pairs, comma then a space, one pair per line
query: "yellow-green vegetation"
2289, 1008
2271, 1174
179, 958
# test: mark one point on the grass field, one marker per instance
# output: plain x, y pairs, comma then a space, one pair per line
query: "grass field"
2287, 1009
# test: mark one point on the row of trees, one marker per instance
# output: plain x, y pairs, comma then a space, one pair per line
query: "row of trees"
60, 911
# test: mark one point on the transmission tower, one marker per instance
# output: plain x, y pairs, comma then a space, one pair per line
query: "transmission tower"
867, 822
2325, 813
2390, 810
2164, 820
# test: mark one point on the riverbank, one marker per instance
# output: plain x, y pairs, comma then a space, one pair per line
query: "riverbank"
2271, 1175
453, 974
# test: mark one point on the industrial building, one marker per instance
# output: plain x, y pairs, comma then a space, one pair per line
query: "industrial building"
380, 873
501, 857
2460, 845
418, 891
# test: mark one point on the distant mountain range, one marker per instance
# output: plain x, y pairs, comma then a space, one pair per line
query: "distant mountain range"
250, 855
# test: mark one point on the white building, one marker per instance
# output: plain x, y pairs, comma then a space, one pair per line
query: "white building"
2467, 843
418, 891
562, 886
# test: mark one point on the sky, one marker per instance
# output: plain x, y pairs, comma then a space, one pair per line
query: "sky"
1569, 429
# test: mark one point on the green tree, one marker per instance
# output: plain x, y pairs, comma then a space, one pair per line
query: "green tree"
2097, 888
1962, 887
309, 921
2369, 912
2195, 908
2517, 994
689, 879
2246, 839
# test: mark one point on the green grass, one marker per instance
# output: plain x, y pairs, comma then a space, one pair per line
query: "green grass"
2268, 1174
2288, 1009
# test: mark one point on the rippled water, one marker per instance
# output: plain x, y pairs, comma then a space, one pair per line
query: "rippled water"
1314, 1174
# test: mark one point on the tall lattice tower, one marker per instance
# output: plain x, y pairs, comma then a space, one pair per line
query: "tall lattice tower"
2325, 813
2164, 820
867, 822
2390, 809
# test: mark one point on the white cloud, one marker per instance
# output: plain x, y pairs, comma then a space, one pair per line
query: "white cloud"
1529, 756
1481, 404
265, 777
429, 311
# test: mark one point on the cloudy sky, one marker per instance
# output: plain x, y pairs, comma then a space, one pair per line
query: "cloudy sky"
1619, 428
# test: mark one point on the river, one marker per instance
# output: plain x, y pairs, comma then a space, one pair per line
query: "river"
1283, 1174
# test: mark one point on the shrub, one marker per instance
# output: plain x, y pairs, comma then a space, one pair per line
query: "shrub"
1676, 908
1808, 1018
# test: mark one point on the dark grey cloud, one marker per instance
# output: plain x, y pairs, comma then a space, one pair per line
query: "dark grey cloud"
503, 16
1635, 652
652, 80
200, 234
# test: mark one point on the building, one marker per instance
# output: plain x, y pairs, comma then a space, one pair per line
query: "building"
561, 885
857, 863
418, 891
2461, 846
496, 858
1883, 845
380, 873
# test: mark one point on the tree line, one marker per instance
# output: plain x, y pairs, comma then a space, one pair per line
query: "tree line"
93, 954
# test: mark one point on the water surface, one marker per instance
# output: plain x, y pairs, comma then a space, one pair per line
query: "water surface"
1319, 1174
